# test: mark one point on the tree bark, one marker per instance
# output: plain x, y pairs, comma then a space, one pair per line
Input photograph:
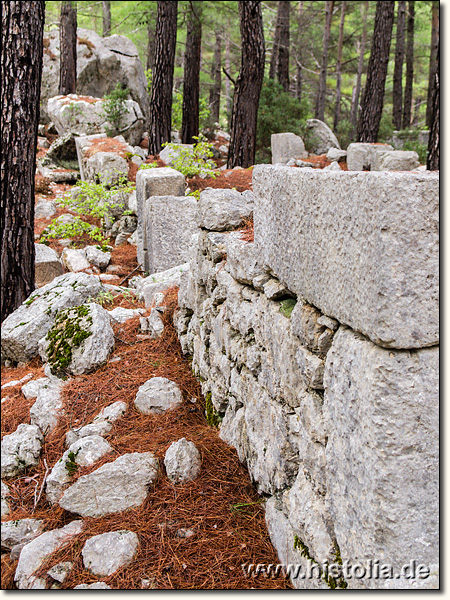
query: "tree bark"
407, 101
248, 86
283, 48
372, 104
320, 102
433, 141
355, 103
276, 45
216, 76
299, 58
106, 11
162, 80
68, 45
227, 81
150, 46
433, 57
191, 82
397, 91
337, 108
21, 70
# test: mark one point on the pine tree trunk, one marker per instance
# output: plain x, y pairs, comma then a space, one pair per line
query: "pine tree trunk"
299, 58
397, 92
248, 86
68, 44
191, 82
162, 80
372, 104
227, 81
21, 70
216, 76
407, 101
283, 48
150, 46
276, 45
433, 57
106, 11
355, 102
433, 142
320, 102
337, 109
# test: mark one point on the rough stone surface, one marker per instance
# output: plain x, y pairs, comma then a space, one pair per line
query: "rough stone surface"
149, 183
47, 265
48, 407
37, 551
242, 259
182, 461
389, 219
97, 257
157, 395
322, 138
63, 152
287, 146
84, 452
390, 411
93, 350
98, 585
20, 531
60, 571
21, 449
4, 500
107, 168
23, 329
363, 156
122, 315
105, 553
112, 488
220, 210
44, 209
101, 424
334, 154
160, 282
74, 260
398, 160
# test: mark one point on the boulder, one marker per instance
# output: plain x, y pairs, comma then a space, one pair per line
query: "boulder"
74, 260
159, 282
104, 554
21, 450
63, 152
107, 168
80, 340
5, 504
44, 209
122, 315
112, 488
287, 146
170, 153
47, 265
334, 154
101, 424
398, 160
20, 531
153, 325
32, 388
97, 257
363, 156
182, 461
222, 209
157, 395
321, 138
22, 330
82, 453
47, 409
38, 550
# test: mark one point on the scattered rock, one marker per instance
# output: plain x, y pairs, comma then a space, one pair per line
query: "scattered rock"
185, 533
222, 209
47, 265
336, 154
121, 315
182, 461
44, 209
21, 450
4, 502
170, 153
333, 167
60, 571
98, 585
17, 382
153, 324
97, 257
20, 531
158, 395
398, 160
101, 424
286, 147
112, 488
147, 287
321, 137
107, 168
121, 239
48, 406
104, 554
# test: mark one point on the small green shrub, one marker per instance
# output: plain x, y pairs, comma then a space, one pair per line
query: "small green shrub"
287, 306
152, 165
93, 199
386, 129
114, 108
70, 230
416, 146
196, 161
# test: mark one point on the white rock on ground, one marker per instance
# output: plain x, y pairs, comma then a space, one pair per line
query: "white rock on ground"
157, 395
97, 257
155, 324
159, 282
20, 531
170, 153
287, 146
44, 209
47, 265
21, 449
182, 461
74, 260
121, 315
4, 500
112, 488
398, 160
23, 329
81, 453
87, 340
60, 571
336, 154
107, 167
48, 407
220, 210
101, 424
104, 554
322, 137
34, 554
98, 585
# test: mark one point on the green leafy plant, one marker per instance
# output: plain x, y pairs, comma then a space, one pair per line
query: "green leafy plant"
195, 193
149, 78
94, 199
177, 112
194, 161
416, 146
212, 416
287, 306
152, 165
114, 108
70, 230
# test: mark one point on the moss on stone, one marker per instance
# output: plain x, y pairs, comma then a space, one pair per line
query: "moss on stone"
212, 416
287, 306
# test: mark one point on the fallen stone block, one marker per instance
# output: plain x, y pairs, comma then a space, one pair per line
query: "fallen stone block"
363, 156
104, 554
157, 395
48, 407
47, 265
398, 160
222, 209
287, 146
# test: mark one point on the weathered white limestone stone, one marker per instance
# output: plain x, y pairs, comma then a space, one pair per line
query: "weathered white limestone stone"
20, 531
44, 209
334, 154
322, 137
74, 260
98, 585
23, 329
112, 488
383, 451
101, 424
94, 350
84, 452
220, 210
104, 554
154, 324
311, 367
4, 500
21, 449
170, 153
122, 315
97, 257
157, 395
182, 461
242, 259
398, 160
287, 146
160, 282
363, 156
361, 247
333, 167
106, 167
48, 407
35, 552
47, 265
60, 571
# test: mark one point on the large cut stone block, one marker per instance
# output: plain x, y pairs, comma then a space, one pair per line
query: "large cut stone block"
286, 146
383, 450
361, 247
162, 181
362, 156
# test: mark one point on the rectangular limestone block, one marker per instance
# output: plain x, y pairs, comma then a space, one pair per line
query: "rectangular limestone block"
162, 181
382, 455
287, 146
361, 247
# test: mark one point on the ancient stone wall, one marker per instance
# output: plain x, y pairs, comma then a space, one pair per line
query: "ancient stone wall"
317, 347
